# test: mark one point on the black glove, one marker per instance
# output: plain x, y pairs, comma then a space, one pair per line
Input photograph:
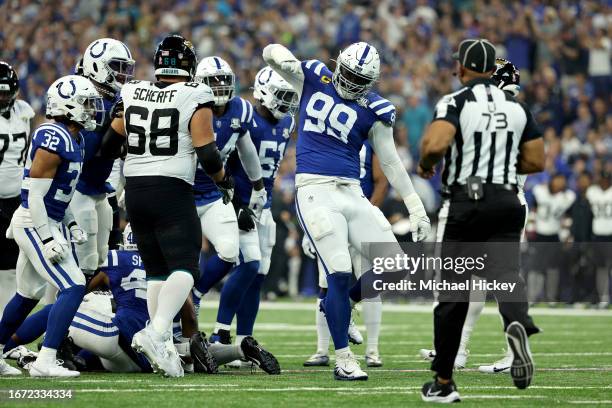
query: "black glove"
226, 186
245, 218
117, 109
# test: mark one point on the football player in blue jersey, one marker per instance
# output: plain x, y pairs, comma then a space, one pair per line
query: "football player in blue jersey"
44, 227
232, 116
270, 130
338, 111
374, 186
108, 64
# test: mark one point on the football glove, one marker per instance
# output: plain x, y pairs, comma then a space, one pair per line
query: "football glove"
79, 236
420, 226
117, 110
257, 202
246, 220
226, 187
54, 251
308, 248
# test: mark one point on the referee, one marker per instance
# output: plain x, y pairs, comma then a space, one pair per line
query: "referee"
486, 138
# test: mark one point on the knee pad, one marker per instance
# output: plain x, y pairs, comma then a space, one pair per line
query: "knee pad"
250, 253
340, 262
264, 266
227, 250
318, 223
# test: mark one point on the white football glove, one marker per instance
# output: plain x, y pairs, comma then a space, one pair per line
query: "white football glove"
55, 251
420, 226
257, 202
79, 236
308, 248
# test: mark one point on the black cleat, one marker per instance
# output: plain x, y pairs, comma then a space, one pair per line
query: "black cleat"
263, 359
435, 392
65, 353
522, 366
222, 336
203, 360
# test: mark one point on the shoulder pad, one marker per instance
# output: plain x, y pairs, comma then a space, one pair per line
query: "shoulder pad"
382, 109
24, 110
315, 67
246, 111
54, 138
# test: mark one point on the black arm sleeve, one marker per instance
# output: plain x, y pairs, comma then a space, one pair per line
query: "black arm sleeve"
112, 142
209, 158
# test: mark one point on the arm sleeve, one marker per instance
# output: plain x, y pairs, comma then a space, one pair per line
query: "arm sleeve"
381, 139
39, 187
249, 157
281, 60
532, 130
446, 109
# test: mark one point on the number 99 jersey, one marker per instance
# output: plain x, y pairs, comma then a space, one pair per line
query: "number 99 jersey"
332, 129
157, 117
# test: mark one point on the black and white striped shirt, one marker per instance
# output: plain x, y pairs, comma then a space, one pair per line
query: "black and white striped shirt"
490, 125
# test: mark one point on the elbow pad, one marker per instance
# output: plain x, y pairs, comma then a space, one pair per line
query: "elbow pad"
210, 158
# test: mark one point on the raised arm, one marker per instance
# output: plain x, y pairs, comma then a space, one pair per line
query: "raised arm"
281, 60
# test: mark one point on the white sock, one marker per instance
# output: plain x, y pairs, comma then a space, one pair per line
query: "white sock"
342, 351
603, 284
221, 326
372, 318
8, 287
323, 333
47, 355
293, 276
239, 338
171, 298
153, 288
473, 313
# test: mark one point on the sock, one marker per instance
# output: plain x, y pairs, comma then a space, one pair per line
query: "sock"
552, 285
61, 314
249, 307
471, 318
225, 353
47, 355
32, 328
172, 296
342, 351
603, 284
323, 334
221, 326
215, 269
153, 288
364, 287
8, 285
233, 290
372, 318
239, 338
535, 285
176, 326
15, 312
338, 308
293, 275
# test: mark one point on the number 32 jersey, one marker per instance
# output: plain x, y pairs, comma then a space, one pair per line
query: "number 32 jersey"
332, 129
157, 117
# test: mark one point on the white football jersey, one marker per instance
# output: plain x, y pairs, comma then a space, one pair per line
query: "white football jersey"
157, 117
601, 206
551, 208
14, 136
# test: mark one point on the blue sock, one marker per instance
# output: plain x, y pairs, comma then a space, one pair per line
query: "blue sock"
32, 328
247, 312
364, 287
176, 326
214, 270
234, 290
338, 307
15, 313
61, 315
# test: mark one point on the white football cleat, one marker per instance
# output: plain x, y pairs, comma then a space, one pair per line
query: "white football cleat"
461, 359
18, 352
51, 369
348, 369
373, 359
236, 364
6, 369
427, 354
155, 347
500, 366
354, 336
318, 359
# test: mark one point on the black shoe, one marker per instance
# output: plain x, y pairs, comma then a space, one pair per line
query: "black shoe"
203, 360
65, 352
435, 392
222, 336
522, 367
254, 353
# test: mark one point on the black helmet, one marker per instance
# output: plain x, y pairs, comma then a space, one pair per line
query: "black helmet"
9, 85
507, 76
175, 56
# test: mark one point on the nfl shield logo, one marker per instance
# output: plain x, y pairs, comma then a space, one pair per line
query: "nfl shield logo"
218, 123
235, 124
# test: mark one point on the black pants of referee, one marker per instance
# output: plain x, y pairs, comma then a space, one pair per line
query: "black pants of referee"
165, 224
497, 218
9, 251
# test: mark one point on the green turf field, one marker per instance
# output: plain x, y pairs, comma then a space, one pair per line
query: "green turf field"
573, 366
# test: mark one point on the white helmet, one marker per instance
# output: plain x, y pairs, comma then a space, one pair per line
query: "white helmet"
218, 75
357, 68
77, 99
108, 62
275, 93
129, 243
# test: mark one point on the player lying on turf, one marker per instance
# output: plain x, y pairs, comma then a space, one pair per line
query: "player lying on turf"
338, 111
105, 337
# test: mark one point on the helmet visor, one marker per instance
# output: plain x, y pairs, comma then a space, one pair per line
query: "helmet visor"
123, 70
222, 86
93, 109
352, 84
286, 100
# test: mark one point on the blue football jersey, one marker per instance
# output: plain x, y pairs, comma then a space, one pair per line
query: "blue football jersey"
332, 129
96, 169
128, 283
270, 140
55, 138
233, 124
366, 177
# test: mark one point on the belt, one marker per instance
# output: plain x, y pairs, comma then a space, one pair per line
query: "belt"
449, 191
